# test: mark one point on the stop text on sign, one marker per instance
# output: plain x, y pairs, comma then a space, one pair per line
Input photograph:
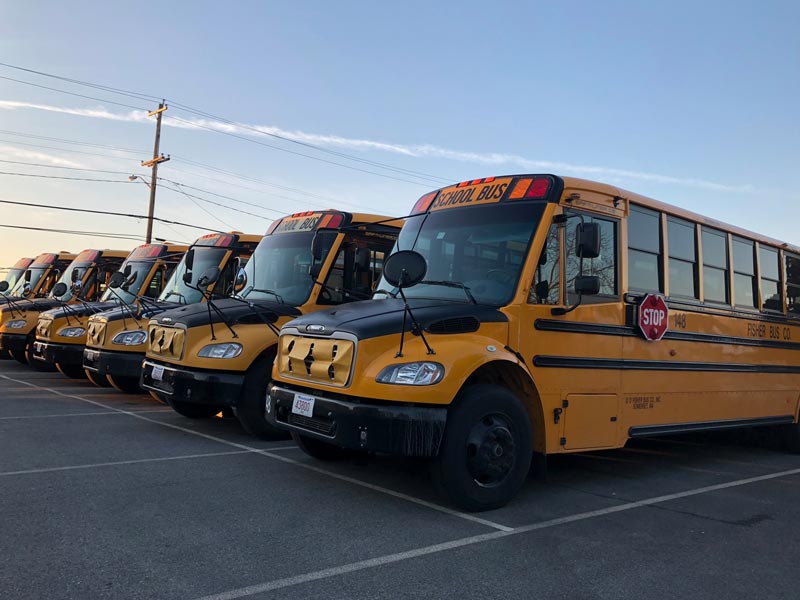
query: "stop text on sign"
653, 317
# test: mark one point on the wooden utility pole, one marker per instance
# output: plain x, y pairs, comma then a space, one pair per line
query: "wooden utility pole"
153, 163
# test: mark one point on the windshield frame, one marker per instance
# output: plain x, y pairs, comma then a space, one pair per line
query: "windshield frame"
452, 220
176, 290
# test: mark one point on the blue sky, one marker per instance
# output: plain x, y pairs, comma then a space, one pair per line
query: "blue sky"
694, 104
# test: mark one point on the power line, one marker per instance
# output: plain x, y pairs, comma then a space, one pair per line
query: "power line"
68, 141
60, 177
106, 212
205, 210
31, 164
244, 212
52, 89
100, 234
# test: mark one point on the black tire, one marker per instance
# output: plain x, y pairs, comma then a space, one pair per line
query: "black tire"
250, 409
318, 449
486, 451
25, 357
71, 371
20, 357
158, 397
97, 379
193, 411
5, 355
127, 385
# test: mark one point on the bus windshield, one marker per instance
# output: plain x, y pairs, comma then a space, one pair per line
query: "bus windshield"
66, 279
474, 252
36, 275
176, 289
279, 269
12, 276
142, 269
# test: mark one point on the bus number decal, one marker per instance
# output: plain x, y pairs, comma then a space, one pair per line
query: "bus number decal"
680, 322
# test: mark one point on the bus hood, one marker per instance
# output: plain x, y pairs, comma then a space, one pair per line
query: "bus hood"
149, 310
235, 311
376, 318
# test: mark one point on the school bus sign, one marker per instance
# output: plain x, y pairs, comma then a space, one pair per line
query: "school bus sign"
653, 319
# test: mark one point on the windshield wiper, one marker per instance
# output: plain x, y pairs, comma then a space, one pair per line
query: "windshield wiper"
178, 294
453, 284
274, 293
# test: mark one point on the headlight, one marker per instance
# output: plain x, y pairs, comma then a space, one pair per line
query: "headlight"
130, 338
72, 332
418, 373
18, 324
220, 351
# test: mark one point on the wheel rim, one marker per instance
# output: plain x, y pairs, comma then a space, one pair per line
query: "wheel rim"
490, 450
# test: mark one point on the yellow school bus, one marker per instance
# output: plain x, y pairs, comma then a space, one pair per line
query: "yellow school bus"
61, 333
530, 315
204, 360
117, 341
36, 278
84, 280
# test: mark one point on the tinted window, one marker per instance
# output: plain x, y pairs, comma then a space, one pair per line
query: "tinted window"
681, 240
682, 258
743, 256
644, 228
744, 281
715, 248
715, 265
771, 298
792, 283
644, 250
547, 288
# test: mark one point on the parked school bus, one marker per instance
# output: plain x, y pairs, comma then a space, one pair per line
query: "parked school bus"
85, 280
36, 278
61, 332
117, 340
556, 315
204, 361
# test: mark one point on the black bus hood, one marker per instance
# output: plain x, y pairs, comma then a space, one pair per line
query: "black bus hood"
148, 310
375, 318
236, 312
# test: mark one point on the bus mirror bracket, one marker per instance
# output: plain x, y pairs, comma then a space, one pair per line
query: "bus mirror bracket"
28, 275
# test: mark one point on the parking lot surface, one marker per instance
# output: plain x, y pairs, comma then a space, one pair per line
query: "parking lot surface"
108, 495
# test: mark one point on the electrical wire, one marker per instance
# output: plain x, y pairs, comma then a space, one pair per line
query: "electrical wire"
100, 234
61, 177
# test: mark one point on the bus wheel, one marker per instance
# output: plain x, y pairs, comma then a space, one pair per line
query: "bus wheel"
250, 409
129, 385
158, 397
194, 411
98, 380
71, 371
317, 449
487, 449
20, 357
5, 355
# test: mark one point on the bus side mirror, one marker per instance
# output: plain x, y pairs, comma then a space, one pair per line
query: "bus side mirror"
208, 278
28, 275
116, 280
241, 280
127, 270
3, 286
587, 240
542, 290
405, 269
188, 259
588, 285
75, 275
59, 289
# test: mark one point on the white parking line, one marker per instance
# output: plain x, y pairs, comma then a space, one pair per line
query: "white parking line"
284, 459
478, 539
120, 462
84, 414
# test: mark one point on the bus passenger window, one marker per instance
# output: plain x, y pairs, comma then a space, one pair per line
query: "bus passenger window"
770, 281
744, 274
604, 266
682, 258
793, 283
546, 285
715, 266
644, 250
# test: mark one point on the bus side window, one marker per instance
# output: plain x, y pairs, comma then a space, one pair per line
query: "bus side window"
604, 266
546, 287
792, 283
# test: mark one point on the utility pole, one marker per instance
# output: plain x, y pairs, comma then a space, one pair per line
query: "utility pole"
153, 163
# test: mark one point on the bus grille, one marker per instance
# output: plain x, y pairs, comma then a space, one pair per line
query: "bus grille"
327, 361
96, 333
323, 426
166, 341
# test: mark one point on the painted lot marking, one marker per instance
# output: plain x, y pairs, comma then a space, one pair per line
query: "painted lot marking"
278, 457
479, 539
120, 462
84, 414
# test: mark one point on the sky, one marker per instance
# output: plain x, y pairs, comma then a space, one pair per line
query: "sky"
376, 103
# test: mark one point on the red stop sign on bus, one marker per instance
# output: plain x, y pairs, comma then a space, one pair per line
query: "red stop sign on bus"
653, 317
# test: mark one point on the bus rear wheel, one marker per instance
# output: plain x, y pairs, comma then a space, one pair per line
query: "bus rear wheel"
486, 451
250, 409
128, 385
71, 371
193, 411
318, 449
96, 379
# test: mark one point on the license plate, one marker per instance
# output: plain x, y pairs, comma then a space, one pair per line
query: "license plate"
92, 354
158, 373
303, 405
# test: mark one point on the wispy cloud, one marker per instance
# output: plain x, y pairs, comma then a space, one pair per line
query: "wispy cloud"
496, 159
9, 152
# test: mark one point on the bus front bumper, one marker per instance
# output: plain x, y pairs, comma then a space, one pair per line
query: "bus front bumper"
116, 364
192, 386
391, 429
62, 354
13, 342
